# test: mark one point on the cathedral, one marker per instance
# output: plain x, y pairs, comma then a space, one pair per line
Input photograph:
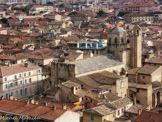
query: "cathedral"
128, 49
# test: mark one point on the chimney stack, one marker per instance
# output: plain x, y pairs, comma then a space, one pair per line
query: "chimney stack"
15, 99
139, 111
32, 101
28, 102
36, 102
11, 97
46, 103
73, 90
64, 106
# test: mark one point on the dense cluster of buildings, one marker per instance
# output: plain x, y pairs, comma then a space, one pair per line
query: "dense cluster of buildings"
80, 60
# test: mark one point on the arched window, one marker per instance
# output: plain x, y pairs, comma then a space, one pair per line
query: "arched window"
109, 40
137, 32
128, 41
122, 40
116, 40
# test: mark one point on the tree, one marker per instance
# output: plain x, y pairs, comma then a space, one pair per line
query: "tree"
49, 3
122, 13
73, 13
101, 13
61, 5
10, 18
4, 20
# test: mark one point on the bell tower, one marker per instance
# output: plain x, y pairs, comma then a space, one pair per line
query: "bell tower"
136, 47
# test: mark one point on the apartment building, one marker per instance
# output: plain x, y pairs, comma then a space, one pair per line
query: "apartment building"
20, 80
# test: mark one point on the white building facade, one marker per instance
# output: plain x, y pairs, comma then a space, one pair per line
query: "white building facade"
20, 80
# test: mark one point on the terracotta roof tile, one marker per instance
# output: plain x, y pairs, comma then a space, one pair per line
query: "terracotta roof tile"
17, 68
33, 110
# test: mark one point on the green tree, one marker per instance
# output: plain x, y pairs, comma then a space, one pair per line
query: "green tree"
10, 18
49, 3
61, 5
101, 13
4, 20
122, 13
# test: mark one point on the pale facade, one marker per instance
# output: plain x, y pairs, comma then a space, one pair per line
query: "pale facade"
21, 84
127, 50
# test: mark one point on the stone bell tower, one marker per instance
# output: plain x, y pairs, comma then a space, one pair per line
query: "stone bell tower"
136, 47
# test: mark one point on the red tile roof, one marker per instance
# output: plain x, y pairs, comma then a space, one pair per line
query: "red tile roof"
41, 51
17, 68
12, 20
33, 110
148, 116
139, 5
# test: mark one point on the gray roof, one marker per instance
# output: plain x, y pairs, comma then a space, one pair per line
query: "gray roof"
101, 110
118, 30
95, 63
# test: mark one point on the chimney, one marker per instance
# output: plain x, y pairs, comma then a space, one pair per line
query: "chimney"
139, 111
134, 99
28, 102
73, 90
11, 97
64, 106
26, 64
36, 102
15, 99
53, 108
32, 101
46, 103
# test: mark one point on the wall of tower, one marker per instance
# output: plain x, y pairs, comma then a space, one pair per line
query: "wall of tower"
136, 49
62, 72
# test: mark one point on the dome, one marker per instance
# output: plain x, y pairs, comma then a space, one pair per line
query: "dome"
118, 30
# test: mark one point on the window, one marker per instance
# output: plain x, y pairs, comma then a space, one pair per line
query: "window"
109, 40
29, 73
137, 32
20, 75
118, 112
16, 83
128, 41
21, 82
26, 90
15, 76
6, 86
24, 74
30, 80
16, 93
143, 77
92, 117
11, 93
122, 40
11, 85
5, 78
122, 110
6, 96
116, 40
30, 90
21, 92
25, 81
